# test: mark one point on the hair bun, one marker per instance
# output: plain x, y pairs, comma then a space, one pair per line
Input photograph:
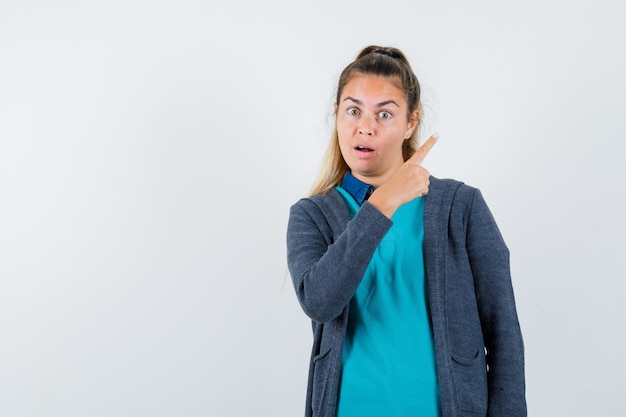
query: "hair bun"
385, 52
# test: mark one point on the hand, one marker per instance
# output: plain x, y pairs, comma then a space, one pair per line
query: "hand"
410, 181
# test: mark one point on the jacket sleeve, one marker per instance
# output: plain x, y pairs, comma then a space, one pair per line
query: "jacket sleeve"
327, 269
489, 259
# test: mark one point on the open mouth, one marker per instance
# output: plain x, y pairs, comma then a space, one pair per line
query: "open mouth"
363, 149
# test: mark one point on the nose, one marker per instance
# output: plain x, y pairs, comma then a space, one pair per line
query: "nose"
366, 127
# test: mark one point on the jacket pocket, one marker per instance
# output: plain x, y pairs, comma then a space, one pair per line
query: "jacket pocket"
470, 377
321, 372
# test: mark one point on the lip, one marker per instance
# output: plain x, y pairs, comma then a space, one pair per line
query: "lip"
363, 151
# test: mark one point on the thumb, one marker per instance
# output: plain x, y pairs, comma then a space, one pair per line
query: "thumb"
420, 154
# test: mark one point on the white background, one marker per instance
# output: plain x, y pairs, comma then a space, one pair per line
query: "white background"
150, 150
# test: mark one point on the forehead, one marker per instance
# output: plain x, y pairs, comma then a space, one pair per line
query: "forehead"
373, 88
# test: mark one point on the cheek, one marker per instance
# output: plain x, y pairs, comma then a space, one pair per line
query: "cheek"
343, 131
345, 123
343, 145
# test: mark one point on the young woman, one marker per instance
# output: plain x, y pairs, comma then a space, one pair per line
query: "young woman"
405, 276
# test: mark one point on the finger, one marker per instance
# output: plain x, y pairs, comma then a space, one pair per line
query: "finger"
423, 150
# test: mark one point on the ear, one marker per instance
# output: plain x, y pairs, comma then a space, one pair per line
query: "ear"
335, 105
413, 120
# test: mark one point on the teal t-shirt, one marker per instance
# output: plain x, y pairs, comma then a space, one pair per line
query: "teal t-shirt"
388, 360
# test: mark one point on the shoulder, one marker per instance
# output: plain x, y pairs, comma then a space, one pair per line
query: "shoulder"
319, 203
448, 191
326, 214
329, 209
451, 200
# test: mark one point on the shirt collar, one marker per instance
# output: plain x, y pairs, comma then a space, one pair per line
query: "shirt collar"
359, 190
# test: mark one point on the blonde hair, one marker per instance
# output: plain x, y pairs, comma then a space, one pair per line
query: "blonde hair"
379, 61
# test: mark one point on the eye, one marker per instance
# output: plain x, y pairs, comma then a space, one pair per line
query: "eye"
384, 115
353, 111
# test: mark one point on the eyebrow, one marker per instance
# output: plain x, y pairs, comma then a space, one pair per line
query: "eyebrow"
381, 104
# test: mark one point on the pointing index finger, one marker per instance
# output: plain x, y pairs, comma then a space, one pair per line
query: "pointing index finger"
423, 150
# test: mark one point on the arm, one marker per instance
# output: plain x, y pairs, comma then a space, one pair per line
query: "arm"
326, 269
489, 259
